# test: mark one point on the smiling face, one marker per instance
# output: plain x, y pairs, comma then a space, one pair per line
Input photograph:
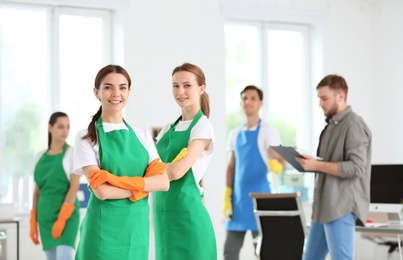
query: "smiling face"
186, 90
60, 129
113, 92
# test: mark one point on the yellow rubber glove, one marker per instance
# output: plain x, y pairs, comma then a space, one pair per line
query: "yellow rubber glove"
64, 214
136, 183
227, 203
275, 166
180, 155
33, 228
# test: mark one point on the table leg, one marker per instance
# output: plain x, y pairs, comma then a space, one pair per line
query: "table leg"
400, 246
18, 240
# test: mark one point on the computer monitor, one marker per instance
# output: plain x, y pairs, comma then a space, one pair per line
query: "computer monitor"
387, 190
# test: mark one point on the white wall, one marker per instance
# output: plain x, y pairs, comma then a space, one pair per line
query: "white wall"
387, 83
160, 36
361, 41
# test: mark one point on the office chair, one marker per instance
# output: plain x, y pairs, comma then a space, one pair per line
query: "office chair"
281, 225
383, 239
393, 245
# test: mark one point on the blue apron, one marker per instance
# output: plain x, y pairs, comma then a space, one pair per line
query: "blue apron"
250, 176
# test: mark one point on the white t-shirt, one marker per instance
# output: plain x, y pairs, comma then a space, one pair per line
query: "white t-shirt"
267, 136
88, 154
68, 160
203, 129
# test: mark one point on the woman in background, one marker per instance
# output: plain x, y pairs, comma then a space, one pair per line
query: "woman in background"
55, 206
183, 229
122, 165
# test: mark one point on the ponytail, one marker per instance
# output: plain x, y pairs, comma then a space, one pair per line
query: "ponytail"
92, 134
205, 104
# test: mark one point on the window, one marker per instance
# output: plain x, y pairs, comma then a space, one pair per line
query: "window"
287, 63
82, 54
48, 60
243, 66
275, 58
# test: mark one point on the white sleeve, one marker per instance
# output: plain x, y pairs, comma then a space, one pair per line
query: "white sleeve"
203, 130
148, 143
68, 162
233, 134
272, 137
84, 153
268, 136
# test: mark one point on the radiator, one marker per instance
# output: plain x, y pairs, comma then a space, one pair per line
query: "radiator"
28, 251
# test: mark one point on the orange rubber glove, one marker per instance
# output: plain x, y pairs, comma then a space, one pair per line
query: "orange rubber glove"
180, 155
136, 183
154, 168
97, 177
64, 214
33, 228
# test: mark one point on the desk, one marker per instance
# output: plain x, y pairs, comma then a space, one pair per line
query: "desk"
394, 229
16, 221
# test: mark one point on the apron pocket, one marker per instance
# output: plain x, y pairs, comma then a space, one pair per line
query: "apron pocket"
175, 230
124, 228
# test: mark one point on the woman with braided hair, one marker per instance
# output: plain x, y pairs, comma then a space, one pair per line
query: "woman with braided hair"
122, 166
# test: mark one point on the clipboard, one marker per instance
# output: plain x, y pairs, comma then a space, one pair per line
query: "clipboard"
289, 154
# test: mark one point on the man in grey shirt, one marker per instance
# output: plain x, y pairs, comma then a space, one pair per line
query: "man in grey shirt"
341, 195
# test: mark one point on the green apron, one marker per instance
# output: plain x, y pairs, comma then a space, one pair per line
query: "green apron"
183, 229
51, 179
117, 228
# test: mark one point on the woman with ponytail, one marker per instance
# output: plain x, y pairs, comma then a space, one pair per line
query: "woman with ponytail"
183, 228
122, 166
55, 208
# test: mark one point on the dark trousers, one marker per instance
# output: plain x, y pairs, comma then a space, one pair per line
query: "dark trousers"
233, 244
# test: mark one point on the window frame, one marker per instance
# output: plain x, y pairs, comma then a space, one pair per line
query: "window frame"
247, 12
21, 189
55, 43
304, 138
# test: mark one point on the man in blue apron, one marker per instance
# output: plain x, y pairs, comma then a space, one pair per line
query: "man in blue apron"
250, 158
